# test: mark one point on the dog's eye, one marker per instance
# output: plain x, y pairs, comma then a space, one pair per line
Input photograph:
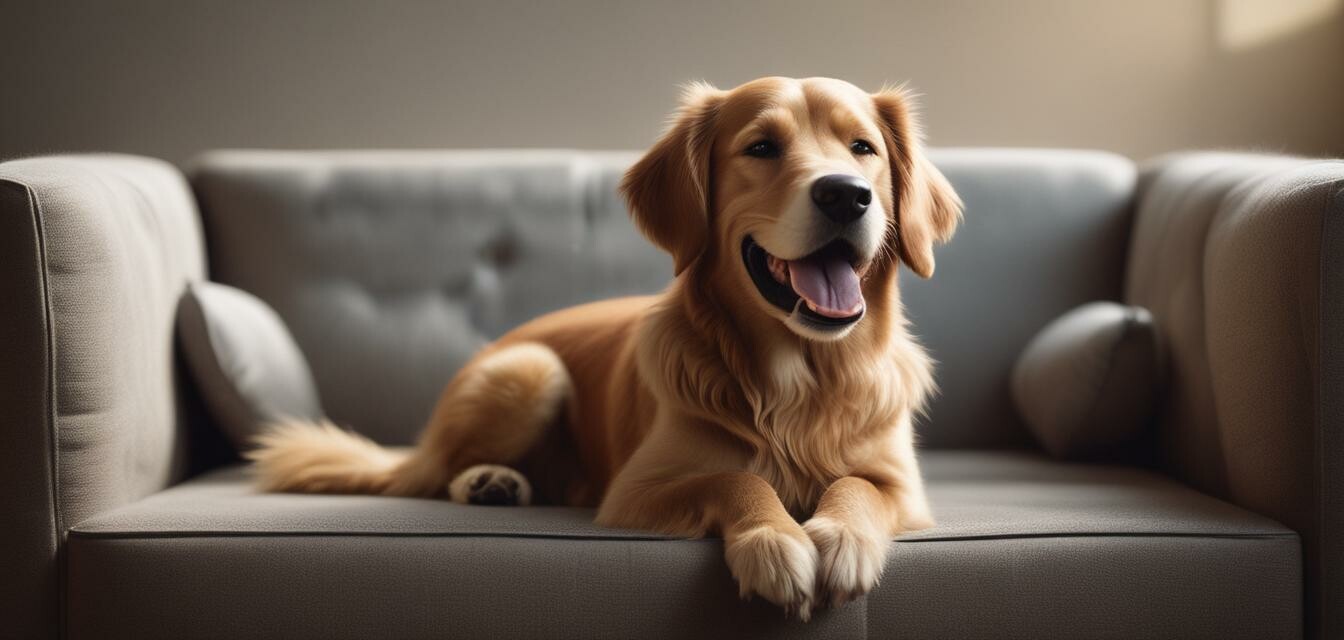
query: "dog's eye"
862, 148
762, 149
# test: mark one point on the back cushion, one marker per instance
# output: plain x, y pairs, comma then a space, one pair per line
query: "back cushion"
392, 268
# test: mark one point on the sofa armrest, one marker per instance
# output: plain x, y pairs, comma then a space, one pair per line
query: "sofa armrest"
1241, 258
94, 252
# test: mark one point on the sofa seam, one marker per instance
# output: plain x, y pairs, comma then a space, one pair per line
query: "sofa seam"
169, 535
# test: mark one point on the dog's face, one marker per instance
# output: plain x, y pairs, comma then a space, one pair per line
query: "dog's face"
801, 189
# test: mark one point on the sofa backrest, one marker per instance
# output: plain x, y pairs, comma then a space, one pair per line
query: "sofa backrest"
1043, 231
391, 268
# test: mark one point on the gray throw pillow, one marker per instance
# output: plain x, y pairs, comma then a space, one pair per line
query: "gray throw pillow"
1089, 381
244, 361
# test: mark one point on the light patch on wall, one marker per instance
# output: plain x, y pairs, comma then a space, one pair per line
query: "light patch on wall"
1245, 24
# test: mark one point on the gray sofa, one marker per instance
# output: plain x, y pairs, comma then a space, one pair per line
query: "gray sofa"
126, 515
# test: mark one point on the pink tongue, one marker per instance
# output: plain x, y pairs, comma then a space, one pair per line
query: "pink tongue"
829, 283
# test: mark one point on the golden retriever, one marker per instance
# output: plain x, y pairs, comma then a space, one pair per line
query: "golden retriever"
766, 395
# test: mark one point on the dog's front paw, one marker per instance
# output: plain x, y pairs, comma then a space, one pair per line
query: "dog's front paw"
850, 559
778, 565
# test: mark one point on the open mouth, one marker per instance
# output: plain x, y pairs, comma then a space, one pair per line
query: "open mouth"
822, 287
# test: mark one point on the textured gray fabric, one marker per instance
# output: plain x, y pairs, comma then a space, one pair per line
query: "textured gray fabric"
95, 251
333, 587
1179, 198
244, 361
1265, 261
1121, 587
1236, 253
29, 539
1088, 383
1325, 569
391, 268
1010, 536
1044, 231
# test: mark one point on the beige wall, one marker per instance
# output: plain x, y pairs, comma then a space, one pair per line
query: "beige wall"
1139, 77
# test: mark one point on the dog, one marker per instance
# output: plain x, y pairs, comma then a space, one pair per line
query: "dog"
767, 395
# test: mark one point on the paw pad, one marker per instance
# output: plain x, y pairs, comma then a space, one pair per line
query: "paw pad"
488, 484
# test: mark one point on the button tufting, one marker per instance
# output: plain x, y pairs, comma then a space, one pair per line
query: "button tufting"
502, 250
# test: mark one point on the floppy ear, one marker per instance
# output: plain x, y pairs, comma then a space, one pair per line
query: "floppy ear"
927, 209
668, 190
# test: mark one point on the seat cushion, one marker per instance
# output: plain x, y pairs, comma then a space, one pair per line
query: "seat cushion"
1025, 547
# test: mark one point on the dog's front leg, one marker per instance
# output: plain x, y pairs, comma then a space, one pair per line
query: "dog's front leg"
767, 551
853, 528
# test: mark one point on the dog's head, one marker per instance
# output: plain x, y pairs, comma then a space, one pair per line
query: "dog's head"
802, 188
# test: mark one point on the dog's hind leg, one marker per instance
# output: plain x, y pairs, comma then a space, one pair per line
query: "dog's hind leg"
493, 413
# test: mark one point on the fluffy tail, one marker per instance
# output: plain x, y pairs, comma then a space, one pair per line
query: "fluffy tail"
320, 457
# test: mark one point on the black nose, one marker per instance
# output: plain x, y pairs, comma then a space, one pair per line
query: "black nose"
842, 197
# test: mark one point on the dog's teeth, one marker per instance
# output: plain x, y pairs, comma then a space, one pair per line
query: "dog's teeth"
779, 269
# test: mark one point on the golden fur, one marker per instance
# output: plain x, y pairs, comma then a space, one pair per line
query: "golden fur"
698, 411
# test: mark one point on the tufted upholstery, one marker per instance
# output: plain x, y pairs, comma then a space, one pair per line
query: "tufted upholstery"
392, 268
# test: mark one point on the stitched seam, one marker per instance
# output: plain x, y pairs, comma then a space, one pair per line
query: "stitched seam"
161, 535
1287, 535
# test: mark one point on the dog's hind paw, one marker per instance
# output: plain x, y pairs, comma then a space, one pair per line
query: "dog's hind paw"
490, 484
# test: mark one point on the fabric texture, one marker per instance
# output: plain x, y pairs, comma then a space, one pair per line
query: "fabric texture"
96, 251
243, 359
1236, 257
1016, 532
1089, 382
392, 268
1179, 198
